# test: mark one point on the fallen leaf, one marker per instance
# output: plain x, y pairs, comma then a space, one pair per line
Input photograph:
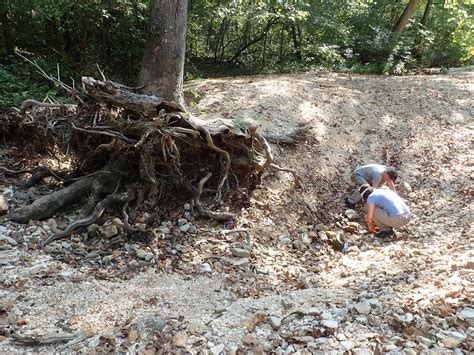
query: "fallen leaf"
132, 336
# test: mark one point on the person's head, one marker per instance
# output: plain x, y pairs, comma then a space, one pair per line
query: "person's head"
365, 191
390, 174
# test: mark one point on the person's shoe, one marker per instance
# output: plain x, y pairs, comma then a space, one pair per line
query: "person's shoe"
385, 234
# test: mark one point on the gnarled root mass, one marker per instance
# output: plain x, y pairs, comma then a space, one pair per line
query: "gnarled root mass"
131, 149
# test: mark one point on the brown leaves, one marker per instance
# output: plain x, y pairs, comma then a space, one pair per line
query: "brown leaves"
257, 318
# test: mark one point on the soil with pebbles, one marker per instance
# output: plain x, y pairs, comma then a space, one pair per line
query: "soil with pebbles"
281, 284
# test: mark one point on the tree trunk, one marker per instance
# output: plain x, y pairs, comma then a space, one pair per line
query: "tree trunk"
163, 60
296, 42
403, 20
399, 27
418, 45
435, 60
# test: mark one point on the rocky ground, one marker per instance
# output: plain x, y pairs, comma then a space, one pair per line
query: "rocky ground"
297, 272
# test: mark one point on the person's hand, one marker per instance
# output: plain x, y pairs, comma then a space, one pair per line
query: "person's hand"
371, 226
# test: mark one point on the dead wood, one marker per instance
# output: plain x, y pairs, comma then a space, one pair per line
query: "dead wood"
27, 104
48, 338
45, 206
99, 209
118, 95
149, 144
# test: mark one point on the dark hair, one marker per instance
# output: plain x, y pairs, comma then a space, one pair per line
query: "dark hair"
365, 191
392, 173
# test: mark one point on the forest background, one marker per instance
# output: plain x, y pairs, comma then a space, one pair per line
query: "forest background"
230, 37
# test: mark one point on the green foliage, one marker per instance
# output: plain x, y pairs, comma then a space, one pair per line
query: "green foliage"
232, 37
18, 83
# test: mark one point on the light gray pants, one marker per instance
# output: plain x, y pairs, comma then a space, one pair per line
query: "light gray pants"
355, 196
386, 222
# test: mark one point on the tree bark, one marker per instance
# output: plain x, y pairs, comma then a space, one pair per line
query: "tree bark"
163, 60
403, 20
296, 42
418, 45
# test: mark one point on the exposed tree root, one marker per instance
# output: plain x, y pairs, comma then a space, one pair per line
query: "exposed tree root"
220, 216
44, 207
292, 172
40, 173
151, 146
99, 209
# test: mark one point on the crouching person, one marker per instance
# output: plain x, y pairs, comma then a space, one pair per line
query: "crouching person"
385, 210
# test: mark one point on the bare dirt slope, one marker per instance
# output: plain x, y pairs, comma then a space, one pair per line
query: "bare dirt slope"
295, 292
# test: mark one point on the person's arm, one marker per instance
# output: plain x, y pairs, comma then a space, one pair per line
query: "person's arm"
368, 217
376, 180
391, 185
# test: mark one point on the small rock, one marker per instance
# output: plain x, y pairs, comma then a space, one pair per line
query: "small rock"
405, 187
182, 222
133, 264
249, 340
323, 236
320, 227
362, 307
106, 260
285, 240
422, 340
185, 227
216, 350
109, 231
144, 255
467, 314
8, 193
331, 324
347, 345
9, 240
351, 214
5, 246
361, 352
140, 226
205, 268
450, 342
456, 335
236, 261
92, 230
240, 253
409, 351
180, 340
187, 207
151, 324
275, 322
373, 320
164, 230
220, 309
406, 318
3, 205
306, 240
353, 249
192, 229
118, 223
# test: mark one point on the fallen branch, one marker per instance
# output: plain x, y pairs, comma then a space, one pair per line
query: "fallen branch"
33, 103
48, 338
